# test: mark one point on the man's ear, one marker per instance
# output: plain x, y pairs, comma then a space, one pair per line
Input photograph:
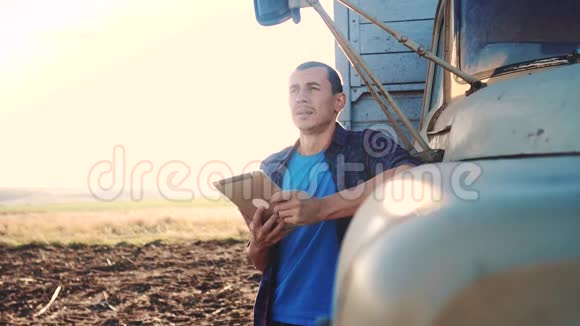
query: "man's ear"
340, 102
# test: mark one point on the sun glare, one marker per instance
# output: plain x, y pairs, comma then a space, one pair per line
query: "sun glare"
168, 80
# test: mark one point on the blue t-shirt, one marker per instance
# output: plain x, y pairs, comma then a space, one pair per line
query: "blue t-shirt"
308, 255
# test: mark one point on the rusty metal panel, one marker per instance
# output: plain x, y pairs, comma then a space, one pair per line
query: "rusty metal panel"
375, 40
368, 115
399, 10
408, 102
396, 68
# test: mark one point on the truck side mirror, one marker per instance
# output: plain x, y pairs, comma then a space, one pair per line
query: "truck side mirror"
273, 12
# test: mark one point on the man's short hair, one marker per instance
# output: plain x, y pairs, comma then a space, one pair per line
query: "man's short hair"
333, 77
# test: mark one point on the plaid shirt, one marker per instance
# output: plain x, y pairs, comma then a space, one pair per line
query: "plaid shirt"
353, 157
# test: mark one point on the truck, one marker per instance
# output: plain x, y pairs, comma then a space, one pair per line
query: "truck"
487, 231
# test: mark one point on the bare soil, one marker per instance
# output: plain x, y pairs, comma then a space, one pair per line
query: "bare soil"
199, 283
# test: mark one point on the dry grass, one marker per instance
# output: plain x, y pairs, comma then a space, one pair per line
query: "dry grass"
128, 222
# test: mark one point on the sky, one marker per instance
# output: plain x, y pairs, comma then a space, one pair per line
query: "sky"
196, 84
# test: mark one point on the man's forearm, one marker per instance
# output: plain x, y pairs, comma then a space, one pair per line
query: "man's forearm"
258, 257
346, 202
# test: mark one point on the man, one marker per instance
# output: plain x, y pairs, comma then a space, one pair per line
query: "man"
325, 177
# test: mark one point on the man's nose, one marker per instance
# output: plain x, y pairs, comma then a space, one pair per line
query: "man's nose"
301, 97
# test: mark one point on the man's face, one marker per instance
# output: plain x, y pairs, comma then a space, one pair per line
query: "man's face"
312, 104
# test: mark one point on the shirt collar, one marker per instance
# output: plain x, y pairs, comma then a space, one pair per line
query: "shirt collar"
338, 138
339, 134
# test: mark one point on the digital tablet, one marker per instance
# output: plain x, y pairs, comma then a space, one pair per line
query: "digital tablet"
249, 191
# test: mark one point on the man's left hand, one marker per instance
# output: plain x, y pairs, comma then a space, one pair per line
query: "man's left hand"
296, 207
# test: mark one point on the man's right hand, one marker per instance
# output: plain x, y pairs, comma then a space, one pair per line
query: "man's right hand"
263, 236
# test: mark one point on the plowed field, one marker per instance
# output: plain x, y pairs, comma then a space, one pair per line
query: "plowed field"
197, 283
